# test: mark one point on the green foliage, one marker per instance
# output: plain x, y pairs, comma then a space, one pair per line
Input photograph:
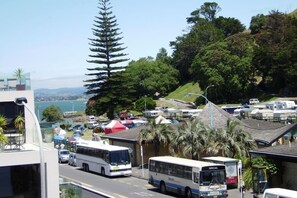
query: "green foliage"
52, 114
156, 134
181, 92
117, 94
227, 65
275, 56
150, 77
3, 123
207, 11
69, 192
107, 57
194, 139
145, 103
19, 74
19, 123
187, 46
272, 166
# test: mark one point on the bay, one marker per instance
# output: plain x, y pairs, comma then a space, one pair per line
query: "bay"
64, 105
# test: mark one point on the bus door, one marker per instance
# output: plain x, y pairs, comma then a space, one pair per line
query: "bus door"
196, 175
260, 180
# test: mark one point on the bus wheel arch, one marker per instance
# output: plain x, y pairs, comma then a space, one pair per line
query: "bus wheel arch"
163, 187
188, 192
85, 167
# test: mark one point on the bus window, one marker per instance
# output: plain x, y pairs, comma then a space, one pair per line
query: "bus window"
212, 177
119, 157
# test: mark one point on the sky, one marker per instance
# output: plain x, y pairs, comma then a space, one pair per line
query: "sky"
50, 38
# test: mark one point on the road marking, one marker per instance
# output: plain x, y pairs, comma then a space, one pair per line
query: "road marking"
142, 194
118, 195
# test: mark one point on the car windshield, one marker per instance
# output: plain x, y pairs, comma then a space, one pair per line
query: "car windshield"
64, 152
212, 177
119, 157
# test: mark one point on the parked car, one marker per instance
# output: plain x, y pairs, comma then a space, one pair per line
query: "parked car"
63, 155
77, 127
92, 124
253, 101
76, 135
72, 159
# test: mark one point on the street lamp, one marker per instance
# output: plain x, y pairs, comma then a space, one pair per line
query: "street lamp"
210, 106
23, 102
206, 91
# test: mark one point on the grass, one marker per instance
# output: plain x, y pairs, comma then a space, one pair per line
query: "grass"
181, 92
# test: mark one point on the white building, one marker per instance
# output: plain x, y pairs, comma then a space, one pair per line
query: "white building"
21, 172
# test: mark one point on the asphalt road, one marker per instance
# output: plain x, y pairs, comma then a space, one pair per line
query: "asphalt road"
118, 187
121, 187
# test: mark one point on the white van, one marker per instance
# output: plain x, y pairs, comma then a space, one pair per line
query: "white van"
279, 193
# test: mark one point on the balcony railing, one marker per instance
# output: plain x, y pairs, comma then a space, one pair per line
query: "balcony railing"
15, 140
11, 83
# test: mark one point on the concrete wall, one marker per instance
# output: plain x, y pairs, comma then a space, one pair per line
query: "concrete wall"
29, 153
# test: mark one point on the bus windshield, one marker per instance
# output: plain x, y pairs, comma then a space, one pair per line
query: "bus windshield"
119, 157
212, 177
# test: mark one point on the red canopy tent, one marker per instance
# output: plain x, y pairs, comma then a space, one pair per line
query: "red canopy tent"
114, 126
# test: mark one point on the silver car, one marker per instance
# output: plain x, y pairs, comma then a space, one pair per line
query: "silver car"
72, 159
63, 155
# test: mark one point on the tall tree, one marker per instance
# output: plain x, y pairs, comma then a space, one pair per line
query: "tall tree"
52, 113
107, 57
150, 77
208, 10
227, 65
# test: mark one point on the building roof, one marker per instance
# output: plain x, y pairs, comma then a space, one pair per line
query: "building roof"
263, 132
287, 152
130, 135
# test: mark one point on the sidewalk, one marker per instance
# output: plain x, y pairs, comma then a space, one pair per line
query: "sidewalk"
233, 193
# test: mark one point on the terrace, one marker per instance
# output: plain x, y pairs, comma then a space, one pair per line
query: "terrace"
12, 83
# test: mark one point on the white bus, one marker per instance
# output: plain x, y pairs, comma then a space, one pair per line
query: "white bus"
189, 178
279, 193
102, 158
231, 164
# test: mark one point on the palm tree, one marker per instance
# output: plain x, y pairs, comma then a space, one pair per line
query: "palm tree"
19, 123
155, 133
3, 123
191, 138
19, 74
231, 141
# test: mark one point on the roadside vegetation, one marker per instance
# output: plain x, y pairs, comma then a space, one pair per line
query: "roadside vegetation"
241, 62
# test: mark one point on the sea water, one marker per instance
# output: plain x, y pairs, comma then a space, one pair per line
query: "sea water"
64, 106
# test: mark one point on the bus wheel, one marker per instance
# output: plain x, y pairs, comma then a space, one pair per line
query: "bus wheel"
163, 187
87, 167
102, 171
188, 193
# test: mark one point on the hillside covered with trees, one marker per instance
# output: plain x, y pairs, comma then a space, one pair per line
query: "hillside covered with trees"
241, 62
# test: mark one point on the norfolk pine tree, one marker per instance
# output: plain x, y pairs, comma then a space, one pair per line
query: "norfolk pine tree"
107, 56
